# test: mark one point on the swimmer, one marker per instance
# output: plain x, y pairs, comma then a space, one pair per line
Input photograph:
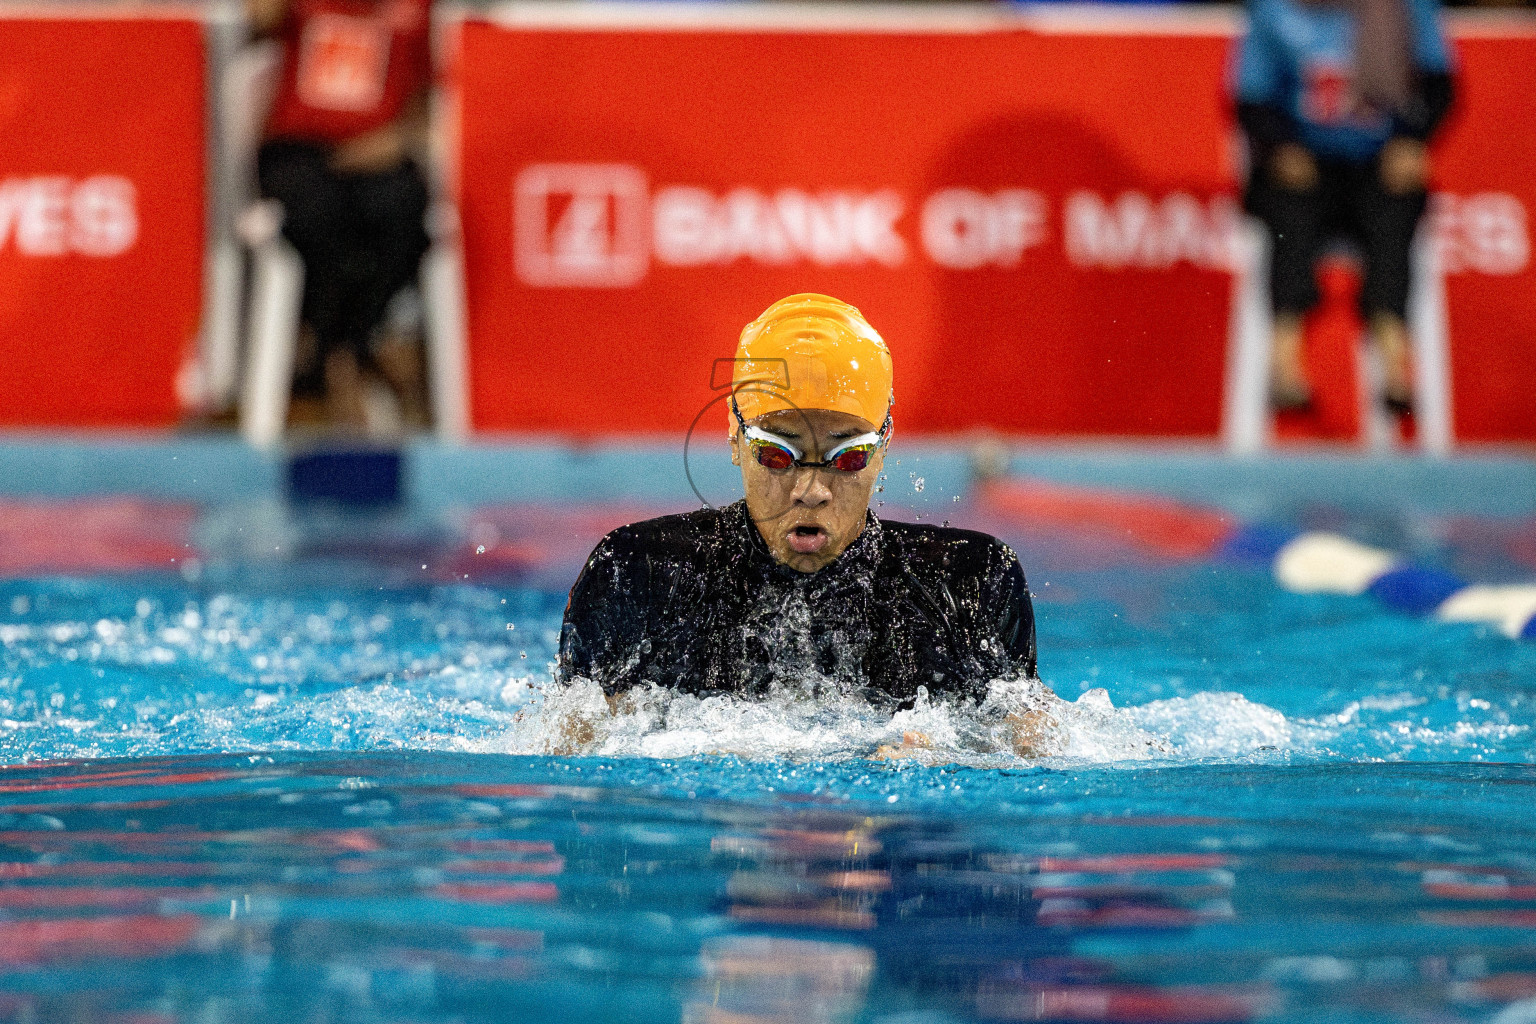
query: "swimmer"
801, 583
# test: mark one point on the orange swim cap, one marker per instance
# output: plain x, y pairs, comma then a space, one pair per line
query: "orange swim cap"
812, 352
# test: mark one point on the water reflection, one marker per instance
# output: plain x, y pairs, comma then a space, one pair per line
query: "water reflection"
777, 980
978, 930
430, 888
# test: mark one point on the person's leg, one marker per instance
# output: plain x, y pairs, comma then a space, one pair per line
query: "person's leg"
345, 400
399, 354
387, 239
1295, 219
390, 210
314, 221
1386, 222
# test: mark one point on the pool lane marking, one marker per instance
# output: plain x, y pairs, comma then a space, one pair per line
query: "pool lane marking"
1303, 562
1326, 563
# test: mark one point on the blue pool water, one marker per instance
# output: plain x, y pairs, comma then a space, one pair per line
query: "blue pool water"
304, 775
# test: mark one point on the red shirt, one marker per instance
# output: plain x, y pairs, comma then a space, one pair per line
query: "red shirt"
349, 66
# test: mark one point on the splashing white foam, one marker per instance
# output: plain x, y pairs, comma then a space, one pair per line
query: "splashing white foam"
653, 722
1213, 724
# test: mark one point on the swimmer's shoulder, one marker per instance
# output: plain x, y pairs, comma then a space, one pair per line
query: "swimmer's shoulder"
679, 539
971, 570
950, 550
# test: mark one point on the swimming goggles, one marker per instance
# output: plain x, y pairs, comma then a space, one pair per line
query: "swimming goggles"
773, 452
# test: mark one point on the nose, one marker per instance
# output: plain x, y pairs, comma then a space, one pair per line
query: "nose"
810, 488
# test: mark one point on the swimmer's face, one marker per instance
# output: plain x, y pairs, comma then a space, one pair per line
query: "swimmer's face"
808, 516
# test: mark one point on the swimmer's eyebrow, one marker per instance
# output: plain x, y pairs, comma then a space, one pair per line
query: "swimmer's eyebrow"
790, 434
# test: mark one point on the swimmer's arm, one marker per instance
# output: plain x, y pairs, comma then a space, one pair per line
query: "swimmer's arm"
576, 733
603, 633
1032, 731
1008, 614
601, 625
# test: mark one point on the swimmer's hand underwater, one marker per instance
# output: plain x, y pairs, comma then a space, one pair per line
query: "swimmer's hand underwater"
1031, 734
576, 730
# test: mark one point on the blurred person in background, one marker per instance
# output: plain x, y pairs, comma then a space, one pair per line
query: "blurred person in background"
1338, 99
350, 111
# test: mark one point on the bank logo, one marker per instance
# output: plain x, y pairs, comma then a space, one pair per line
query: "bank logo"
601, 226
581, 225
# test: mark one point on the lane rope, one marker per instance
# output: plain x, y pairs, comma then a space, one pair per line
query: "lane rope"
1312, 562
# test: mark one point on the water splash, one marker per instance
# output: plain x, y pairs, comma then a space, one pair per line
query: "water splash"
789, 724
112, 668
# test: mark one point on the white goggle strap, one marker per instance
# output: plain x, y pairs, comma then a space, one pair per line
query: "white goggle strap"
759, 434
873, 439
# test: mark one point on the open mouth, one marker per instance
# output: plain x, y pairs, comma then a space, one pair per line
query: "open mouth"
807, 540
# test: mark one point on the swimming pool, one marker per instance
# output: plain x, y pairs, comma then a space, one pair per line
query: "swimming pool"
300, 773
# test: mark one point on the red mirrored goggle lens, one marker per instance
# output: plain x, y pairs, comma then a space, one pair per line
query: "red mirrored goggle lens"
771, 456
852, 460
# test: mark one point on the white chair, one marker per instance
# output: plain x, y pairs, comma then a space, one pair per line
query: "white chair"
248, 86
442, 291
242, 85
1247, 424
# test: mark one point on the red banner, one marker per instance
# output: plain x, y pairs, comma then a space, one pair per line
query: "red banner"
1038, 219
101, 217
1037, 223
1481, 216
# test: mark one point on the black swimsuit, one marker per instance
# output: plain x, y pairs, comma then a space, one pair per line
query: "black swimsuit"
696, 603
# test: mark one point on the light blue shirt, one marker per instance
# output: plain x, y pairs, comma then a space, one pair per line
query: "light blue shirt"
1300, 57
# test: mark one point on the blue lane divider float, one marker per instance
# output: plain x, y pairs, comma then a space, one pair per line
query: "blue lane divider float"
1326, 563
1308, 563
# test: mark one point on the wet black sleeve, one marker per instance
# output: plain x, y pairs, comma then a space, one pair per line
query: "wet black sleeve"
1009, 611
603, 632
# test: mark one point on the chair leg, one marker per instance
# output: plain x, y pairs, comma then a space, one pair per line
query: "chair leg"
1378, 427
1429, 332
276, 291
1245, 417
442, 286
221, 348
